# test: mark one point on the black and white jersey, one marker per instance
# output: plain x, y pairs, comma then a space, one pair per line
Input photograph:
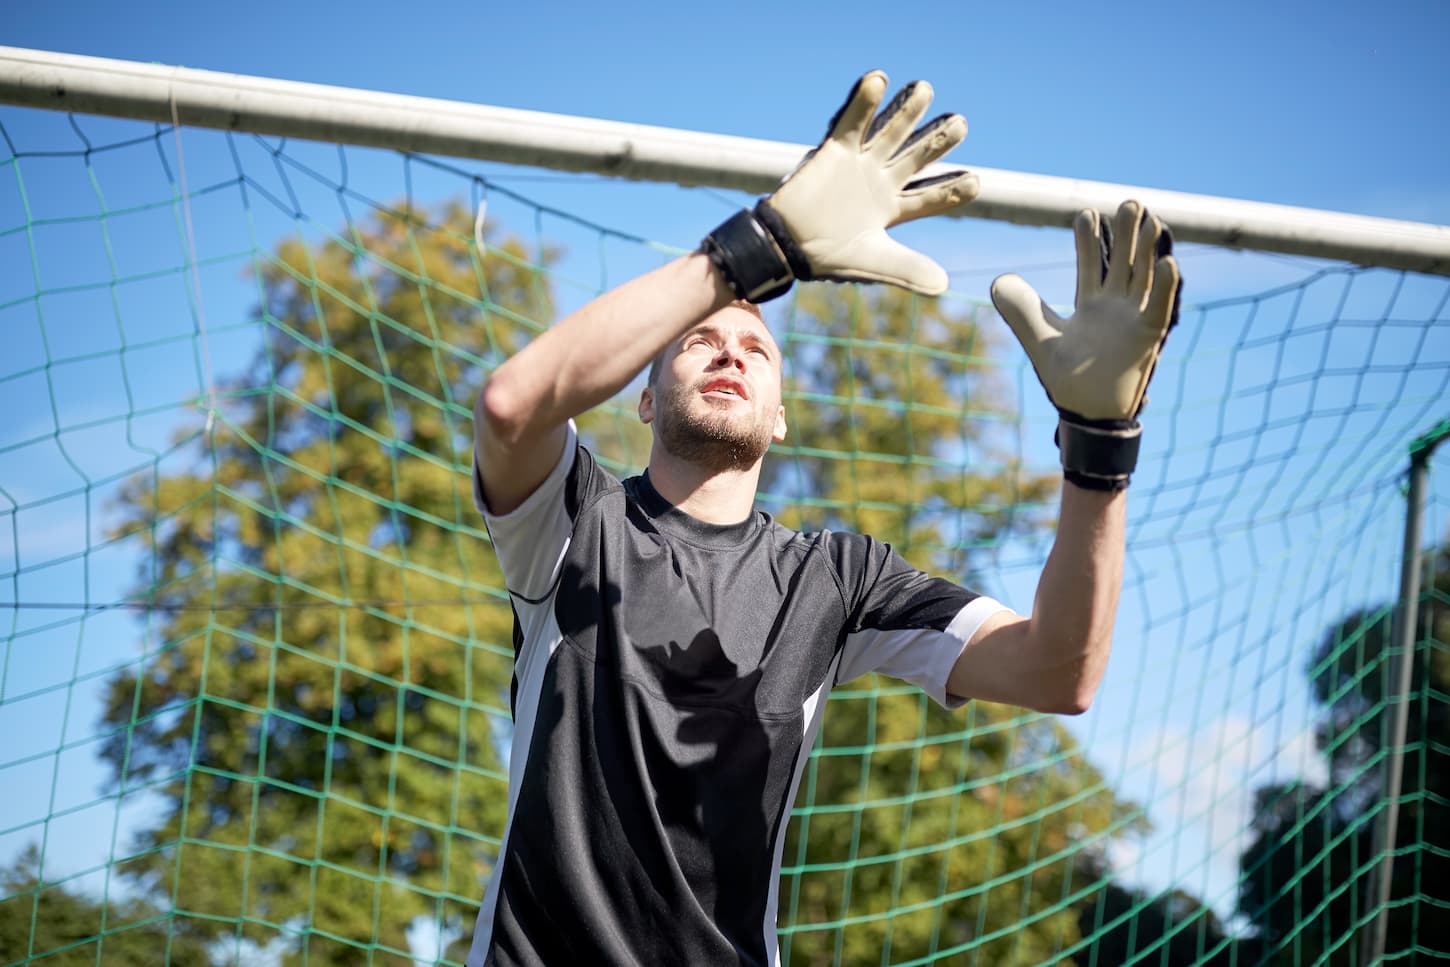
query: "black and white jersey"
669, 680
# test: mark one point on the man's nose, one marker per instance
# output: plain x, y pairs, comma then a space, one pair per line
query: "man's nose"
730, 356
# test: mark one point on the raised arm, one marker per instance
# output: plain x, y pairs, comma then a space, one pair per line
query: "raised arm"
827, 220
592, 354
1095, 367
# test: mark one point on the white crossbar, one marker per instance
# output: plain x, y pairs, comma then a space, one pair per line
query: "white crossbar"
209, 99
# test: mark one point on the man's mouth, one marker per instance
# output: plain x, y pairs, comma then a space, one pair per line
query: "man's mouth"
725, 387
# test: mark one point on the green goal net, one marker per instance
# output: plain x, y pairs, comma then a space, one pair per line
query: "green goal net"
256, 652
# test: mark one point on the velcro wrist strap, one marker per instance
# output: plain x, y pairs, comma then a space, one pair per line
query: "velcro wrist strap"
749, 258
1099, 454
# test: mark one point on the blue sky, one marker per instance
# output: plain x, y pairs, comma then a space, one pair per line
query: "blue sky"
1332, 105
1327, 104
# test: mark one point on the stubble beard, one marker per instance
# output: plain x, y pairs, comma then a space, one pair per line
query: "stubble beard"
718, 440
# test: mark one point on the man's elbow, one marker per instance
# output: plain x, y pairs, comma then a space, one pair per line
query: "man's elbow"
1072, 703
1072, 686
1062, 698
498, 415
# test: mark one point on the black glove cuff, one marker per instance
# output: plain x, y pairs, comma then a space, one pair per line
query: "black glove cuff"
747, 255
773, 223
1098, 454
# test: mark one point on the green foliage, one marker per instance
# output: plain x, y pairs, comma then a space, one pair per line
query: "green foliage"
1125, 926
921, 831
1307, 872
323, 718
893, 409
327, 703
927, 832
75, 930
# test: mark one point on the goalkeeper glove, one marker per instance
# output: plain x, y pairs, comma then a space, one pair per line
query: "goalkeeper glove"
828, 218
1096, 364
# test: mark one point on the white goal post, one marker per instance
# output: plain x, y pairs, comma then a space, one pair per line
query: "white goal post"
210, 99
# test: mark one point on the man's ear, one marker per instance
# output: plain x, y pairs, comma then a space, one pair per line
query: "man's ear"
647, 406
779, 434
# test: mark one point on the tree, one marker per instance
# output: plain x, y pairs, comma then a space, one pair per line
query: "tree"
323, 717
76, 930
1308, 868
326, 714
892, 404
924, 832
1124, 925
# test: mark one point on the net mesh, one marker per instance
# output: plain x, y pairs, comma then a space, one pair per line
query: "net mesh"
254, 681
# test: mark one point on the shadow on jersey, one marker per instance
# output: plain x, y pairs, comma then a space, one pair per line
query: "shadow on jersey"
717, 757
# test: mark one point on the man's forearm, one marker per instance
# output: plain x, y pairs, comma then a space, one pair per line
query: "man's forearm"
1095, 366
594, 352
1077, 593
1053, 661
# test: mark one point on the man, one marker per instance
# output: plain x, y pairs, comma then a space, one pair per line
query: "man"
675, 648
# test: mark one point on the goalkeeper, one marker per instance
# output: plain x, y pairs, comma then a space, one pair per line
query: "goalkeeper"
674, 648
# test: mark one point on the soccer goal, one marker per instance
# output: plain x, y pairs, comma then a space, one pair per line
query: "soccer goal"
256, 659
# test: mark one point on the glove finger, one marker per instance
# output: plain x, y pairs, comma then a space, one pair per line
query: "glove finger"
936, 194
889, 129
928, 143
1125, 240
1090, 233
1163, 301
1143, 260
1025, 313
884, 259
849, 122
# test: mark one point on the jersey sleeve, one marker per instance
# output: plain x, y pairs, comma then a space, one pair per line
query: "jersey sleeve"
902, 621
531, 539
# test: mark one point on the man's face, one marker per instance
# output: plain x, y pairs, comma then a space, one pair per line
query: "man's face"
715, 400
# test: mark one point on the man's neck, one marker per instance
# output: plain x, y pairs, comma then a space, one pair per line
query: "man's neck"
714, 496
